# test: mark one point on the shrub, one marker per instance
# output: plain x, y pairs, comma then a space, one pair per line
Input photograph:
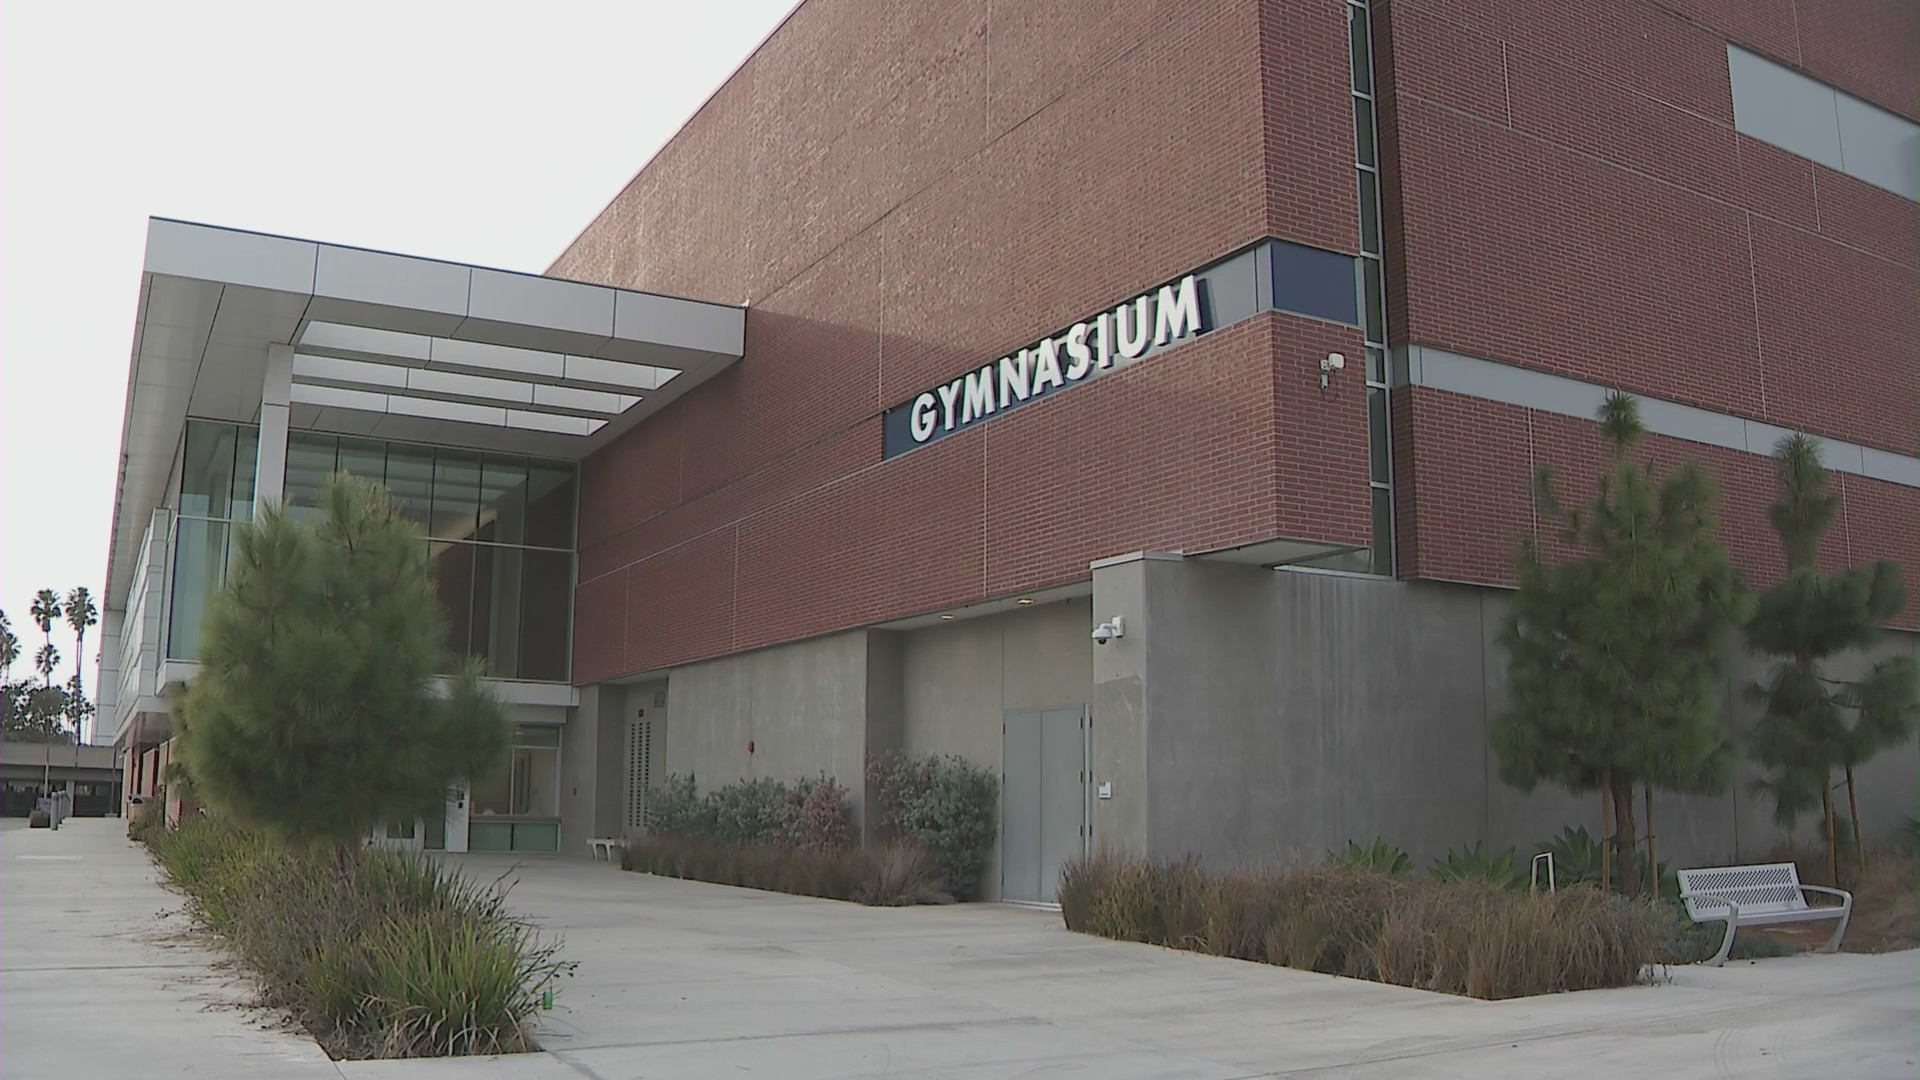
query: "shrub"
818, 814
1378, 855
674, 805
892, 875
947, 804
1457, 936
748, 811
1472, 864
390, 956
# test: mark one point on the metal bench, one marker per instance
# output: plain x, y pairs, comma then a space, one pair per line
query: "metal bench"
1763, 895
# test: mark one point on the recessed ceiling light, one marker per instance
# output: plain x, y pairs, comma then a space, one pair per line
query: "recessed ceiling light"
949, 617
1025, 600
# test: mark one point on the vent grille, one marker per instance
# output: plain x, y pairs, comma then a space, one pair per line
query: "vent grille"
639, 771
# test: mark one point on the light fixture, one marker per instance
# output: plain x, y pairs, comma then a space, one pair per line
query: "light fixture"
1330, 363
947, 618
1024, 601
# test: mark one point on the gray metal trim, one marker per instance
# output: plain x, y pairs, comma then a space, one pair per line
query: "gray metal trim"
1491, 380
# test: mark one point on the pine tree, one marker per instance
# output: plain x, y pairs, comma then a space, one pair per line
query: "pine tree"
1811, 724
315, 713
1616, 658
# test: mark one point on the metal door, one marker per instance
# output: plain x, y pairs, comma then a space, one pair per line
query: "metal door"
1043, 800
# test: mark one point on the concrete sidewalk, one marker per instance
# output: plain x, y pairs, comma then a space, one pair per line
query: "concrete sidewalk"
686, 979
101, 976
681, 979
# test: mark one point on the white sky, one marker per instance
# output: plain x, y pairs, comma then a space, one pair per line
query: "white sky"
483, 132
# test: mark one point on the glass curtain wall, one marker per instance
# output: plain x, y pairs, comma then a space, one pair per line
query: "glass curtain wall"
216, 491
499, 535
517, 807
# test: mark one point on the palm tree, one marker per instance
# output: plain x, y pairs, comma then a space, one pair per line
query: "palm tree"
44, 661
46, 609
80, 614
9, 648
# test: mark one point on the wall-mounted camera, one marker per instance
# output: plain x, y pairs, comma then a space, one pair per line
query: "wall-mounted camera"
1107, 631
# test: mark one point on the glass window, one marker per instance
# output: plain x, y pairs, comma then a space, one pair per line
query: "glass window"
456, 494
546, 614
550, 505
1376, 313
452, 568
1382, 531
410, 480
1363, 130
246, 462
365, 458
1376, 366
503, 500
199, 567
1362, 52
310, 460
1377, 433
206, 473
528, 783
1369, 213
496, 609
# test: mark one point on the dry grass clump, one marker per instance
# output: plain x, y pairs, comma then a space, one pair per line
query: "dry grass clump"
389, 956
1457, 937
893, 875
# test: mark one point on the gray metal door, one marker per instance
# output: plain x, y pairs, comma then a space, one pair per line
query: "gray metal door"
1043, 800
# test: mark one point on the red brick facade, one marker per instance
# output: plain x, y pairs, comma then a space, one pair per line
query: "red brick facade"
904, 191
1566, 192
901, 191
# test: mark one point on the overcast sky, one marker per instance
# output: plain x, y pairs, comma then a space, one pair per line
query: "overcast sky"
488, 133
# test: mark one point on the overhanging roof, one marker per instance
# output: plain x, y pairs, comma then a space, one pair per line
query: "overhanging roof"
392, 347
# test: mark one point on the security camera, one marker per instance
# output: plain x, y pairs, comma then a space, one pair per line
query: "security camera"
1107, 631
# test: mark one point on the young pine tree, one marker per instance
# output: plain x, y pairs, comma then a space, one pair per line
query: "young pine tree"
315, 712
1811, 724
1616, 658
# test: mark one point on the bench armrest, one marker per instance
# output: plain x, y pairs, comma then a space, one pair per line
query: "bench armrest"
1846, 897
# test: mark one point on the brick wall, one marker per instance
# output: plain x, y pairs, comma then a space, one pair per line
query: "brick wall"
902, 191
1565, 191
1463, 517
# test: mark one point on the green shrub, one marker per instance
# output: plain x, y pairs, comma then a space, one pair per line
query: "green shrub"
1378, 855
1457, 936
389, 956
892, 875
946, 804
674, 805
1472, 864
748, 811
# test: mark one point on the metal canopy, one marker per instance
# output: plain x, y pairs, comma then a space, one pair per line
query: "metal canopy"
392, 347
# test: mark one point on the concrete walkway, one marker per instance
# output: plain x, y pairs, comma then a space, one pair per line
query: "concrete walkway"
100, 976
684, 979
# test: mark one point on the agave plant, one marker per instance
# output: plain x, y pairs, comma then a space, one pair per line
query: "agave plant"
1473, 864
1378, 855
1576, 856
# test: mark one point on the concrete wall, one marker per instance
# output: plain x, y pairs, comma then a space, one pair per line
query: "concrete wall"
1283, 714
802, 708
960, 679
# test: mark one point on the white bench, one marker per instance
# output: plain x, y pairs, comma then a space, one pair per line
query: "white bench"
603, 847
1758, 896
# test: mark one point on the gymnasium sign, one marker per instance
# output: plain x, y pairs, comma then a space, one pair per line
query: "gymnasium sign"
1149, 322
